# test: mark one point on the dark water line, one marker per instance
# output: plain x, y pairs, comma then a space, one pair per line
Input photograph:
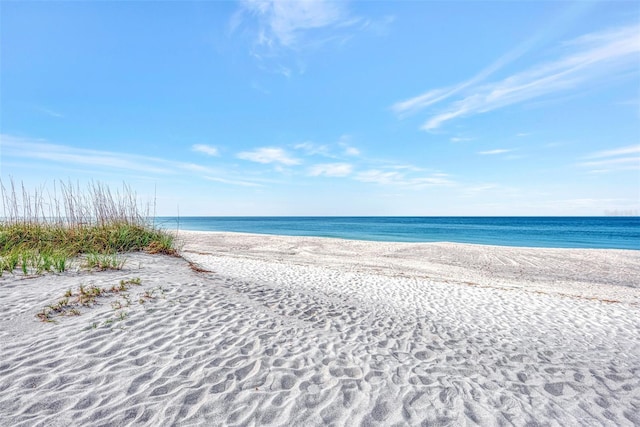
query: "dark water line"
553, 232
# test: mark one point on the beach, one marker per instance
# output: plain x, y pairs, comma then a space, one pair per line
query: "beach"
289, 331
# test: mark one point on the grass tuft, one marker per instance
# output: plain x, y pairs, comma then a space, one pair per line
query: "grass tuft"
87, 296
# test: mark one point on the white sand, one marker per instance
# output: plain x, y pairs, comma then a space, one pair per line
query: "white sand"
308, 331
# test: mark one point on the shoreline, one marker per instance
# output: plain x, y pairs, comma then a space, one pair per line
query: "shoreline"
259, 330
176, 232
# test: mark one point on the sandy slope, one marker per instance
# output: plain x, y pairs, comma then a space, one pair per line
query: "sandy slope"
304, 331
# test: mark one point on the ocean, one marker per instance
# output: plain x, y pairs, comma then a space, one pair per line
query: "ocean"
550, 232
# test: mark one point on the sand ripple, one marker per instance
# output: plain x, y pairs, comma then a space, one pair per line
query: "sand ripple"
264, 342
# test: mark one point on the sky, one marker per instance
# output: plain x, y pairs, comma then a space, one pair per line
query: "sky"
313, 107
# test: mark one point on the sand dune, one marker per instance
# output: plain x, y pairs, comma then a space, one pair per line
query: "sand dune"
303, 331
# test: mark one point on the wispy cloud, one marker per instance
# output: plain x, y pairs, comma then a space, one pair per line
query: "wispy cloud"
285, 32
338, 149
420, 102
41, 150
284, 23
192, 167
631, 149
399, 178
349, 150
493, 152
233, 182
617, 159
311, 149
269, 155
331, 169
206, 149
632, 161
460, 139
412, 105
479, 188
50, 112
379, 177
110, 161
408, 168
595, 56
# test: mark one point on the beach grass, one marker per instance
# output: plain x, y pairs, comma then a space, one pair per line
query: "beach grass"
39, 234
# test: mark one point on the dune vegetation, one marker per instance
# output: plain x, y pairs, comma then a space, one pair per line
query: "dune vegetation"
42, 231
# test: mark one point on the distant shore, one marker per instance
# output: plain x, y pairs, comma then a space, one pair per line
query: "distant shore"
278, 330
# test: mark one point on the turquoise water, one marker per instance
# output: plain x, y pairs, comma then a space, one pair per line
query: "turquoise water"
551, 232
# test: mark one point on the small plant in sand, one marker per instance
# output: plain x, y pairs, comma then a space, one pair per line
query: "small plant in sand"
24, 264
11, 260
33, 261
148, 295
105, 261
45, 315
125, 284
127, 301
86, 296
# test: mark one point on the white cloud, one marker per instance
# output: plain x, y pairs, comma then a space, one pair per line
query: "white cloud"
596, 56
194, 167
351, 151
401, 179
331, 169
206, 149
50, 112
379, 177
410, 168
434, 96
479, 188
430, 181
311, 149
426, 99
633, 161
496, 151
285, 32
632, 149
617, 159
114, 162
232, 182
460, 139
41, 150
269, 155
283, 23
600, 55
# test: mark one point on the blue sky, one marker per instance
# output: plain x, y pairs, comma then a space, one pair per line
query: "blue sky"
328, 108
